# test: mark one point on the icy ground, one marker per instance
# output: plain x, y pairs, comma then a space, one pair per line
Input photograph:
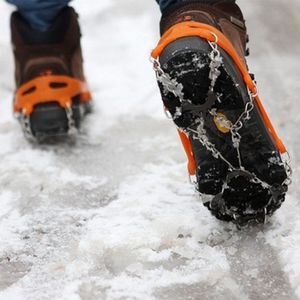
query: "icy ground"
114, 216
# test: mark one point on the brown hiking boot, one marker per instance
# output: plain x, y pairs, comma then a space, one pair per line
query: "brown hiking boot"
233, 150
52, 95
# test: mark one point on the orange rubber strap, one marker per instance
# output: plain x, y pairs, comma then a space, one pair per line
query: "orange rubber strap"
210, 33
50, 88
189, 152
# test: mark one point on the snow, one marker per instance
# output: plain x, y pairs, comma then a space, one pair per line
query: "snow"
113, 216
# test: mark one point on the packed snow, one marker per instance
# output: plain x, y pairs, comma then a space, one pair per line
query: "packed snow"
114, 216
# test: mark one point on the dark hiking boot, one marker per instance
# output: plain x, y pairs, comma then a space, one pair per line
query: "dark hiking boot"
234, 152
52, 95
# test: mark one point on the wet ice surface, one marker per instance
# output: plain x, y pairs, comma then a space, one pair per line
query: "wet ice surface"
113, 217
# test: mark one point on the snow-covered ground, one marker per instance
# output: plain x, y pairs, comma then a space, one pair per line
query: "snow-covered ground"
114, 216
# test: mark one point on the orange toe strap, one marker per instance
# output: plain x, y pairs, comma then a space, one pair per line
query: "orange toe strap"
212, 34
51, 88
209, 33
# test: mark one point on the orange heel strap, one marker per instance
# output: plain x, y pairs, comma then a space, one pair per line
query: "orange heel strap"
51, 88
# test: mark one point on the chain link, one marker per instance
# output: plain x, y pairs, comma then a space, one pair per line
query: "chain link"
169, 84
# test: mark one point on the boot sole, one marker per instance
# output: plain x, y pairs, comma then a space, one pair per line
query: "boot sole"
49, 121
187, 60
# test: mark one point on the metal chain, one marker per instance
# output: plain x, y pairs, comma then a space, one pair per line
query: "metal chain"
26, 125
200, 135
288, 169
169, 84
216, 62
71, 122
